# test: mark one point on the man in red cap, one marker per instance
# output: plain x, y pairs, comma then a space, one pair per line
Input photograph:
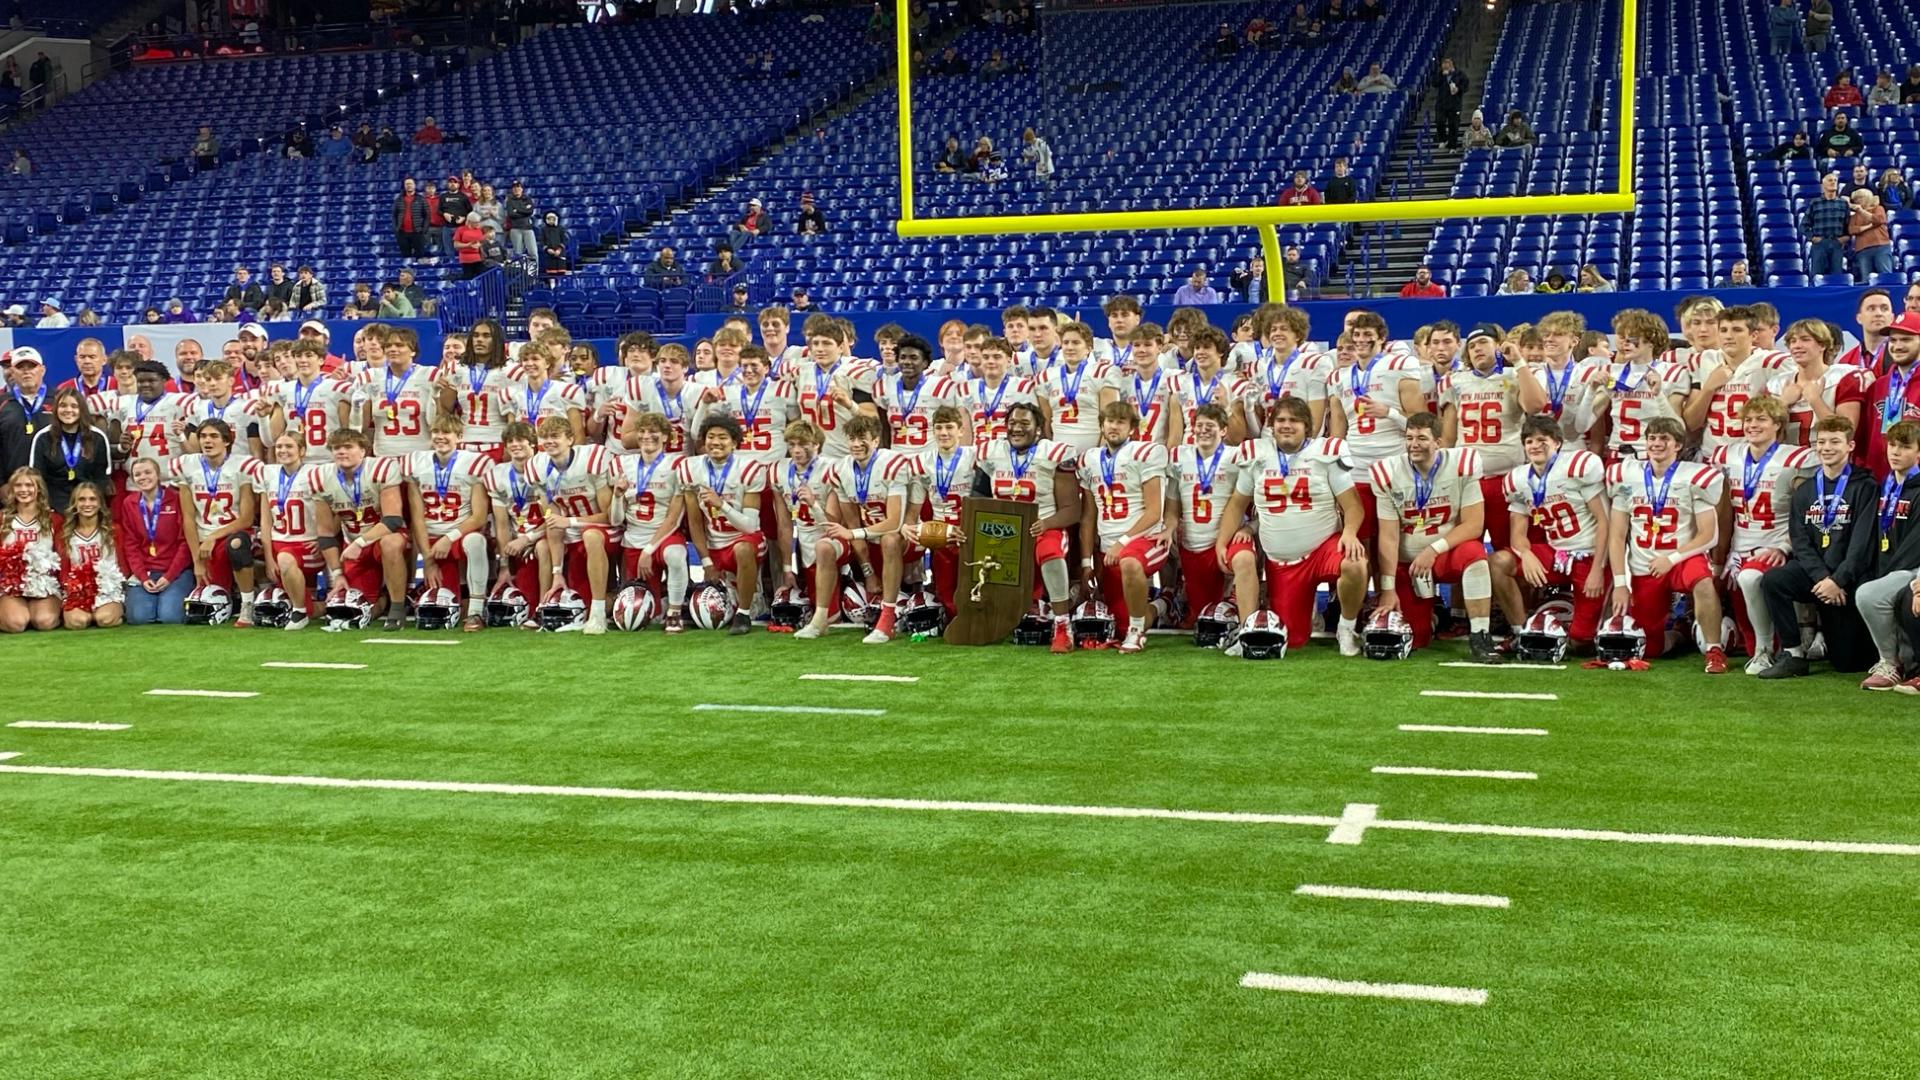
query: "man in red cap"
1895, 395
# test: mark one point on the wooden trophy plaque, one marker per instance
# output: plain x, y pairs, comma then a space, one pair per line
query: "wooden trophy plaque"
996, 571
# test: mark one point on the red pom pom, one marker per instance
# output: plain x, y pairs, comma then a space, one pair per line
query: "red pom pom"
13, 569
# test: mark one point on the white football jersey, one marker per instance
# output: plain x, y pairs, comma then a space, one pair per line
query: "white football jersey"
1487, 414
1661, 507
1760, 486
1028, 476
1567, 396
448, 489
313, 411
677, 405
1074, 396
404, 407
1840, 384
215, 490
1154, 398
572, 487
648, 500
479, 397
805, 493
1556, 505
529, 405
151, 423
1745, 381
1638, 394
944, 481
814, 387
509, 486
287, 498
1428, 502
1117, 480
909, 411
1297, 495
990, 405
764, 414
1201, 485
1300, 373
733, 480
887, 473
1222, 388
354, 496
619, 390
1373, 438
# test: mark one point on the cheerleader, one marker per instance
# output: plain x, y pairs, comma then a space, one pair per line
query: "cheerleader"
90, 575
29, 569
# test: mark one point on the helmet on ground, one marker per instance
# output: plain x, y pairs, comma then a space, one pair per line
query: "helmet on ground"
1542, 639
208, 605
350, 610
921, 613
712, 606
1730, 640
634, 608
1214, 624
1092, 624
507, 606
1036, 626
272, 607
856, 606
561, 609
1620, 639
437, 609
1387, 637
789, 609
1264, 637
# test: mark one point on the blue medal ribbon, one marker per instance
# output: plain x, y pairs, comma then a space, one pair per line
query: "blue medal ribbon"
1557, 391
642, 481
477, 378
39, 401
303, 394
822, 379
1276, 385
150, 518
992, 408
1123, 357
443, 474
943, 471
283, 488
1213, 385
354, 492
1890, 501
796, 480
70, 447
1070, 382
394, 387
1280, 456
751, 413
907, 405
669, 403
1361, 378
1622, 383
1107, 460
1751, 472
1830, 505
555, 474
1145, 394
862, 478
81, 382
519, 491
211, 475
1658, 502
534, 401
1423, 485
1021, 460
1537, 485
1208, 468
717, 482
1896, 403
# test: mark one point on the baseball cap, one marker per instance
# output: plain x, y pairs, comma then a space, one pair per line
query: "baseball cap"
799, 290
753, 202
317, 326
17, 309
1908, 323
740, 288
1483, 330
25, 354
52, 302
255, 329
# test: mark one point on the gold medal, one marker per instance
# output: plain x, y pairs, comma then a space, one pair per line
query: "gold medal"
153, 549
1825, 539
70, 476
1885, 543
29, 427
134, 431
1540, 517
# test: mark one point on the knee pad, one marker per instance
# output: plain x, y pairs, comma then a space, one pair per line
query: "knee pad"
240, 552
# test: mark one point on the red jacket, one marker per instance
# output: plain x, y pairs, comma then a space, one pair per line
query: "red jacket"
1412, 290
1844, 97
166, 552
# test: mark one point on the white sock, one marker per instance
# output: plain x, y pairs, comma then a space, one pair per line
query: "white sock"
1059, 620
1347, 625
474, 546
1758, 616
599, 609
1480, 624
473, 604
1054, 573
1799, 651
1136, 625
676, 558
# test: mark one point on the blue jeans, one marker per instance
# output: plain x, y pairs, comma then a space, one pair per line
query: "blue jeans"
145, 608
1826, 258
1874, 260
1781, 41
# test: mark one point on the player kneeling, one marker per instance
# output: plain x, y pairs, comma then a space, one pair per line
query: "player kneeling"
519, 520
363, 534
578, 486
1121, 481
1309, 525
866, 504
1024, 467
1200, 478
447, 509
1665, 520
289, 537
1557, 513
723, 511
1431, 521
653, 544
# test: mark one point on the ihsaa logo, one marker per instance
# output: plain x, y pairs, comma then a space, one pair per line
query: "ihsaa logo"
998, 530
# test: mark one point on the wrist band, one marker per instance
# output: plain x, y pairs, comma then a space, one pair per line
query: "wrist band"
1086, 564
1383, 583
1440, 545
859, 534
1621, 581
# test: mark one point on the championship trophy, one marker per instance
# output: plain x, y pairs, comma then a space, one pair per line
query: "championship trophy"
995, 587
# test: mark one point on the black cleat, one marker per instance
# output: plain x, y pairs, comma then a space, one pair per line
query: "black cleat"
1788, 666
742, 624
1480, 644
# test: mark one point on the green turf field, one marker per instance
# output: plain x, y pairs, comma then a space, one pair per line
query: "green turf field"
169, 928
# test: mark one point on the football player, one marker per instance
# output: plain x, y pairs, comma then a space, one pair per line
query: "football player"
1024, 467
1816, 387
1432, 517
1565, 377
1726, 379
447, 513
1075, 385
362, 504
1209, 383
312, 404
1557, 527
216, 400
1636, 387
832, 387
1483, 402
220, 484
1121, 481
540, 396
1123, 316
398, 399
576, 485
943, 474
145, 420
654, 543
723, 510
476, 388
910, 397
1281, 365
1152, 390
866, 506
289, 529
1761, 477
519, 518
995, 391
800, 518
1372, 400
1200, 480
1665, 522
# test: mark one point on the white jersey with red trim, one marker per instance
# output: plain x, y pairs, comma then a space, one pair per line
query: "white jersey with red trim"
479, 397
990, 404
1451, 483
1681, 364
530, 405
1074, 399
151, 423
652, 486
1299, 373
1222, 388
1745, 381
1373, 438
764, 414
713, 379
1295, 495
909, 411
733, 481
619, 391
805, 493
1487, 414
1689, 490
509, 486
678, 405
287, 502
1838, 386
814, 387
404, 407
1557, 505
447, 489
1029, 476
1201, 484
1155, 399
1117, 480
312, 411
354, 496
215, 490
572, 487
932, 470
888, 473
1568, 396
1760, 486
1636, 394
239, 411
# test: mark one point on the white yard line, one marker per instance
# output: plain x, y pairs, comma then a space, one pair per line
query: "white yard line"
296, 665
1316, 821
9, 755
1503, 667
1355, 820
1488, 695
203, 693
1403, 896
829, 677
408, 641
1452, 729
818, 710
1471, 774
69, 725
1311, 984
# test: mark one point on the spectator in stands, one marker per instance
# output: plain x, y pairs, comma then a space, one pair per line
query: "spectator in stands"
51, 315
1302, 193
1249, 280
39, 74
1449, 94
1346, 83
410, 221
1894, 191
810, 221
14, 316
1592, 281
1843, 94
801, 301
723, 266
1739, 276
455, 205
151, 316
518, 210
1478, 135
493, 247
309, 293
1910, 90
1796, 148
336, 146
1340, 188
490, 210
1298, 275
1422, 287
1196, 290
1299, 22
22, 164
245, 291
1517, 283
1515, 132
951, 63
178, 313
206, 149
299, 144
388, 142
1259, 33
364, 139
436, 221
664, 272
1885, 91
952, 158
274, 311
394, 304
1825, 225
1556, 282
278, 287
1317, 35
752, 223
982, 158
1035, 151
363, 300
1861, 180
995, 66
1377, 81
1337, 11
467, 241
1840, 139
429, 134
1819, 25
740, 304
409, 288
1225, 44
1783, 26
87, 317
1872, 243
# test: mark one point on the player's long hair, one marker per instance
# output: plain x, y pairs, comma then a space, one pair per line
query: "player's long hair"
102, 519
42, 513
